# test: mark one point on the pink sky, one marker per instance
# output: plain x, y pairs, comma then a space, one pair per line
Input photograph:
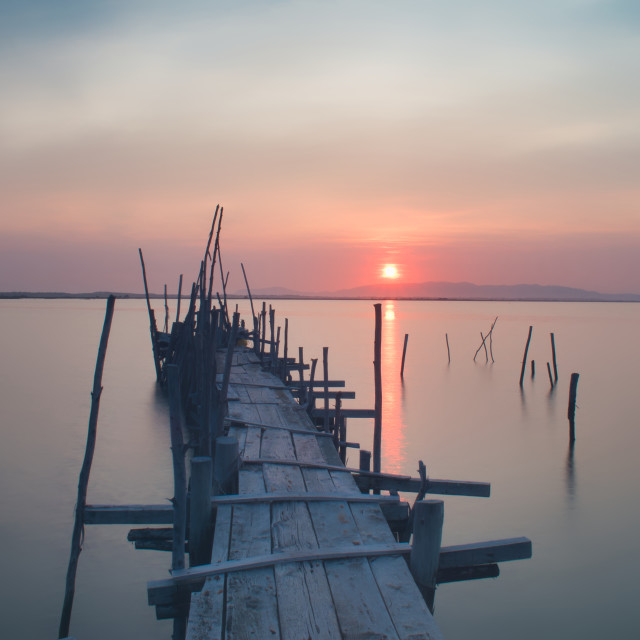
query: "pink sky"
493, 143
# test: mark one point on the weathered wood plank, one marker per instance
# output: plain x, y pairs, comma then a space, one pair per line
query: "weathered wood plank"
467, 555
129, 514
303, 497
309, 612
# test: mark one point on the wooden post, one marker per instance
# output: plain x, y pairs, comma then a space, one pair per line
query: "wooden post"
571, 414
263, 320
222, 400
303, 395
179, 469
78, 525
325, 372
365, 464
553, 353
179, 299
253, 312
336, 422
226, 466
311, 398
524, 359
166, 311
286, 349
533, 368
425, 550
153, 328
404, 354
550, 376
200, 531
377, 367
446, 337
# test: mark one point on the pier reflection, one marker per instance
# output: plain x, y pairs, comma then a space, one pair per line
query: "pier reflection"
394, 441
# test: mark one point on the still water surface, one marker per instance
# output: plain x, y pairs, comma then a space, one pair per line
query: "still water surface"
467, 420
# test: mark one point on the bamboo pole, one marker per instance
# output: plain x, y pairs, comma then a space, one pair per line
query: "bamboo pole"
524, 359
78, 526
377, 366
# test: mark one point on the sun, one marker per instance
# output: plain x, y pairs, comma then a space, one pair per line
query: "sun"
390, 271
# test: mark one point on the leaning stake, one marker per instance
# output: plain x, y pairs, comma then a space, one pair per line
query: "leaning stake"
78, 526
524, 358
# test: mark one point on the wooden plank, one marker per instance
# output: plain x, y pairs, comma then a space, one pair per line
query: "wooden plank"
359, 605
346, 413
468, 555
313, 430
410, 614
302, 497
309, 611
129, 514
320, 383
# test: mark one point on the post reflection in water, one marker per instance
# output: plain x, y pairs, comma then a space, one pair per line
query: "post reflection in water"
394, 442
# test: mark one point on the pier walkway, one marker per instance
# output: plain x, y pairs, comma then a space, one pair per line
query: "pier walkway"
349, 597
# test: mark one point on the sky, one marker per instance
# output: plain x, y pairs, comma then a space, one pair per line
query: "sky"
493, 142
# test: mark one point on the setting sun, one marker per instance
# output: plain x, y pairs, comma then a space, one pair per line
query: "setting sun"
390, 271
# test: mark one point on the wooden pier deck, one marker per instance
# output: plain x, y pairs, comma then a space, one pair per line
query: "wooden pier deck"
355, 597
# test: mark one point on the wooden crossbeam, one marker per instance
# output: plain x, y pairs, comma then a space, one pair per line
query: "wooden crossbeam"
345, 413
320, 383
163, 514
389, 481
480, 553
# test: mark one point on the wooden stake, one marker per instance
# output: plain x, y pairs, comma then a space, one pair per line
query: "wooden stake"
325, 371
153, 328
524, 359
78, 526
179, 299
226, 466
425, 551
179, 468
200, 530
571, 413
244, 273
533, 368
550, 376
404, 354
377, 367
553, 353
446, 337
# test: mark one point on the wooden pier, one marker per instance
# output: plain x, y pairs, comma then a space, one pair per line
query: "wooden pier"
283, 539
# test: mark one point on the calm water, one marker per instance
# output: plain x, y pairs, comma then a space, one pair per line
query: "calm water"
467, 420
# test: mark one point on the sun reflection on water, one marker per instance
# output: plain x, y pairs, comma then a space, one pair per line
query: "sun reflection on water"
394, 442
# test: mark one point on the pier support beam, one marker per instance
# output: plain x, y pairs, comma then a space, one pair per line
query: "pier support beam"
226, 466
425, 551
200, 529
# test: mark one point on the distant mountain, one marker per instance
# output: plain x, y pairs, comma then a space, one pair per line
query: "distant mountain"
457, 291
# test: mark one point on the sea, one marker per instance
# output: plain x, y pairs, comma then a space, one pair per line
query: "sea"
458, 408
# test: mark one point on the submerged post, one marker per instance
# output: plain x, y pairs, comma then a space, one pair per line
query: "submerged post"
571, 414
524, 358
446, 337
553, 354
425, 551
78, 526
404, 354
377, 367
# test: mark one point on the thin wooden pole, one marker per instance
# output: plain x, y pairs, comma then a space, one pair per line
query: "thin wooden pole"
166, 311
377, 367
325, 371
179, 469
404, 354
179, 299
553, 353
446, 337
78, 526
571, 413
153, 329
524, 358
222, 402
244, 273
303, 395
425, 550
550, 376
533, 368
286, 350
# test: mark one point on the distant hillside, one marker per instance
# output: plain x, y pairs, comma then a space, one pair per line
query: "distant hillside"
456, 291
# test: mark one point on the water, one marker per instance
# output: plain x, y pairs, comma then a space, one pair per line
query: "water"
467, 420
